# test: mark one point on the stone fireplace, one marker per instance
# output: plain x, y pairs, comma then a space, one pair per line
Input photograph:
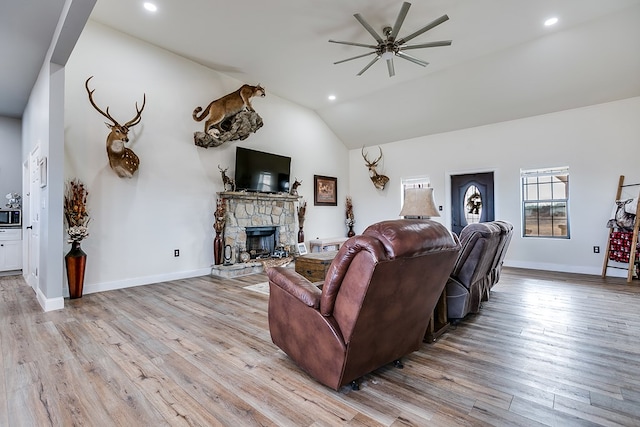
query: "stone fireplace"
259, 219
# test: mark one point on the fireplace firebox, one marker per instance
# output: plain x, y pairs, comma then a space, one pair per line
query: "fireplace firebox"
261, 241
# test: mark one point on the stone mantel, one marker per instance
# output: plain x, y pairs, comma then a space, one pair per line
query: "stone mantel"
252, 195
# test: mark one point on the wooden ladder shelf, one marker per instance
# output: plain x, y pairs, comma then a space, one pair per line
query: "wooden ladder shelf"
634, 238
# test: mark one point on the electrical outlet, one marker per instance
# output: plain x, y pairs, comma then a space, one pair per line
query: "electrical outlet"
596, 249
176, 252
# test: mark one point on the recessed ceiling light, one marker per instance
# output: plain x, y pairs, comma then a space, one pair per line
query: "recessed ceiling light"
332, 97
150, 7
551, 21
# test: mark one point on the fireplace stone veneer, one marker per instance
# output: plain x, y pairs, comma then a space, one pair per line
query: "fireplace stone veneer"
247, 209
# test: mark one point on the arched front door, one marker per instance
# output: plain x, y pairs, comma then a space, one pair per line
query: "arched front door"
471, 199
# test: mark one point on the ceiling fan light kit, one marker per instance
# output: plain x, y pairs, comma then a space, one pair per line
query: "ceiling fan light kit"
389, 46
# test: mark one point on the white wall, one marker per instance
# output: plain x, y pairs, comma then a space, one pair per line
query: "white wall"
598, 143
10, 165
42, 126
137, 223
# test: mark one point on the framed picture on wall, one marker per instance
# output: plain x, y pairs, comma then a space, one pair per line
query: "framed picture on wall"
325, 191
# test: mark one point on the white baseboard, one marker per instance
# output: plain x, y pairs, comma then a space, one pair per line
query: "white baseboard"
140, 281
563, 268
49, 304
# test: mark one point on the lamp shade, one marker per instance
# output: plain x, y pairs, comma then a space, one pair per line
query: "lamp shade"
418, 202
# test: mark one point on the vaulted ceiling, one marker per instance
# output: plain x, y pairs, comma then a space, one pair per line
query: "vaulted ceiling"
503, 64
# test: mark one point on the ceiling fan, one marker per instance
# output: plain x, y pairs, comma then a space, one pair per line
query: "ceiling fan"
389, 46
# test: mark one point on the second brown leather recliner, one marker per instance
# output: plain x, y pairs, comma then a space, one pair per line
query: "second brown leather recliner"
471, 275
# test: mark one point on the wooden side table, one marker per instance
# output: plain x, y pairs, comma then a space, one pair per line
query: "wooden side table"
439, 322
314, 266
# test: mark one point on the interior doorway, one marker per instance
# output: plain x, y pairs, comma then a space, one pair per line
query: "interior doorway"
32, 220
471, 199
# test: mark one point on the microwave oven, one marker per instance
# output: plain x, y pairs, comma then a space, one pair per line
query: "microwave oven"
10, 217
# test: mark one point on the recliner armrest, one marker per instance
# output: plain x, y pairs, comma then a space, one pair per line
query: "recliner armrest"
296, 285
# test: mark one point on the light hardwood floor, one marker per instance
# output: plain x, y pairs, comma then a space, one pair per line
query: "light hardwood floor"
547, 349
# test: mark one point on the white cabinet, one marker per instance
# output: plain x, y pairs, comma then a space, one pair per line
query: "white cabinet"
10, 249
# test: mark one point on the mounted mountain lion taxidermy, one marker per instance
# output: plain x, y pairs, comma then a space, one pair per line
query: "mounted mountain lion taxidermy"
225, 107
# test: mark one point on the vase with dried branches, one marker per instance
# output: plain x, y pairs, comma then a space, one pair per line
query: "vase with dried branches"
302, 210
218, 225
350, 221
76, 216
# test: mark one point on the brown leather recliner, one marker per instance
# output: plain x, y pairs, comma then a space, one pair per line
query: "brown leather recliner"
374, 306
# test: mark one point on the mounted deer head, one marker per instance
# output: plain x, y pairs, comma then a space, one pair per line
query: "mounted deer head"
226, 180
294, 187
379, 181
122, 160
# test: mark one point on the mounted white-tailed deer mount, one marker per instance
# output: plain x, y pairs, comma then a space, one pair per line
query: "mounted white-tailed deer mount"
379, 181
122, 160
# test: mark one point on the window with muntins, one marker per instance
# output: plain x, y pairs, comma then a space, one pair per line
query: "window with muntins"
545, 202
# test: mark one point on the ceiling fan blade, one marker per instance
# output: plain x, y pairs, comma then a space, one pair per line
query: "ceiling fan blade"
392, 71
368, 27
355, 57
373, 61
426, 28
412, 59
399, 20
371, 46
423, 45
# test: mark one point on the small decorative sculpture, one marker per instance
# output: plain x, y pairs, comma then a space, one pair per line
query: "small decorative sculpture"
294, 187
350, 221
222, 113
122, 160
218, 225
379, 181
226, 181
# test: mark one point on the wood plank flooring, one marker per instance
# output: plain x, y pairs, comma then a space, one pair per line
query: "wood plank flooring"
548, 349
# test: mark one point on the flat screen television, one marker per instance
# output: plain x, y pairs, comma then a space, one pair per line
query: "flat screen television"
261, 172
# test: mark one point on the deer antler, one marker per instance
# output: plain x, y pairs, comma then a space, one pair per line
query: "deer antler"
106, 114
138, 116
375, 162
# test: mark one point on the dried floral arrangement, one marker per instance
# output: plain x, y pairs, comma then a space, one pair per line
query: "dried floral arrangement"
349, 212
302, 211
219, 216
76, 214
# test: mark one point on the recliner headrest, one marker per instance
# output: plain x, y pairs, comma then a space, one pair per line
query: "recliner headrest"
411, 237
